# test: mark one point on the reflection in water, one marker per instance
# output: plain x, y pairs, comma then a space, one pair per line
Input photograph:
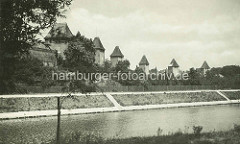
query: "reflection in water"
125, 124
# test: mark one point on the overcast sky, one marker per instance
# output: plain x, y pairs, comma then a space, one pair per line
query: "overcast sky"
190, 31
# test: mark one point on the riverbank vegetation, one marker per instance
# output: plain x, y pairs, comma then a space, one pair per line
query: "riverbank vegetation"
197, 137
167, 98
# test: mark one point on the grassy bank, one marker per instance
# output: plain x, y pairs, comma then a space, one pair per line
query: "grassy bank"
49, 103
232, 95
227, 137
167, 98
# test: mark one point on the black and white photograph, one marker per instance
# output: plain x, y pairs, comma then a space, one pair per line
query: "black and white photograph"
120, 72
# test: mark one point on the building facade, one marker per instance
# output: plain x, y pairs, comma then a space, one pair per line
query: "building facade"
43, 53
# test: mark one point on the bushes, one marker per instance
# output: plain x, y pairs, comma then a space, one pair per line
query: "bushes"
197, 130
236, 128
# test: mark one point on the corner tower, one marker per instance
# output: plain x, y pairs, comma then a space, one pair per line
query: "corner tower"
144, 64
100, 51
59, 37
116, 56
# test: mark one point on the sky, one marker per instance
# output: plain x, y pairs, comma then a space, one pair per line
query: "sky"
191, 31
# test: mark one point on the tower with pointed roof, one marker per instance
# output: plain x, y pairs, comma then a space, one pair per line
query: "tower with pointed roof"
116, 56
174, 68
100, 51
58, 37
144, 64
204, 68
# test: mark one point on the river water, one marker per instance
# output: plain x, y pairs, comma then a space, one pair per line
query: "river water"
124, 124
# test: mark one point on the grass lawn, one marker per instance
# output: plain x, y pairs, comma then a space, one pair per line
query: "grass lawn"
49, 103
167, 98
232, 95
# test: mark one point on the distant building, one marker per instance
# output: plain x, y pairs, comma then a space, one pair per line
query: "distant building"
204, 68
116, 56
174, 68
43, 53
100, 51
144, 64
59, 37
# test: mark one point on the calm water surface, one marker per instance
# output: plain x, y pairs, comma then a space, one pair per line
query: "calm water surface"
124, 124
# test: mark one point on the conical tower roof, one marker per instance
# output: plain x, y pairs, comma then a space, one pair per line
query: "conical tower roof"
174, 63
78, 34
58, 31
98, 44
117, 52
205, 65
144, 61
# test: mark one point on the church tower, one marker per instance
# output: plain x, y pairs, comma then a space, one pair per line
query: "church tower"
144, 64
100, 51
116, 56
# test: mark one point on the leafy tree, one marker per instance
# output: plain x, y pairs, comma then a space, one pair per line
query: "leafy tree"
80, 57
122, 66
230, 71
21, 20
194, 77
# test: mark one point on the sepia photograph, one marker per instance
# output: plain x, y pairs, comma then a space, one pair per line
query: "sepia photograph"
120, 72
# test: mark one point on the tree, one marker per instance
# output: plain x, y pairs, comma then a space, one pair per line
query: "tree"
80, 57
122, 66
21, 21
194, 77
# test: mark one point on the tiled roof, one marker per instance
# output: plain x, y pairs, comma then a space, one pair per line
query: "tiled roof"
59, 30
144, 61
117, 52
174, 63
205, 65
98, 44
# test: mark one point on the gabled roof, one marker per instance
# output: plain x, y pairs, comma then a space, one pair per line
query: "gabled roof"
58, 31
174, 63
98, 44
144, 61
117, 52
205, 65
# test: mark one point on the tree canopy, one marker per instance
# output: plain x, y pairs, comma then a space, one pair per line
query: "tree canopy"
21, 21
